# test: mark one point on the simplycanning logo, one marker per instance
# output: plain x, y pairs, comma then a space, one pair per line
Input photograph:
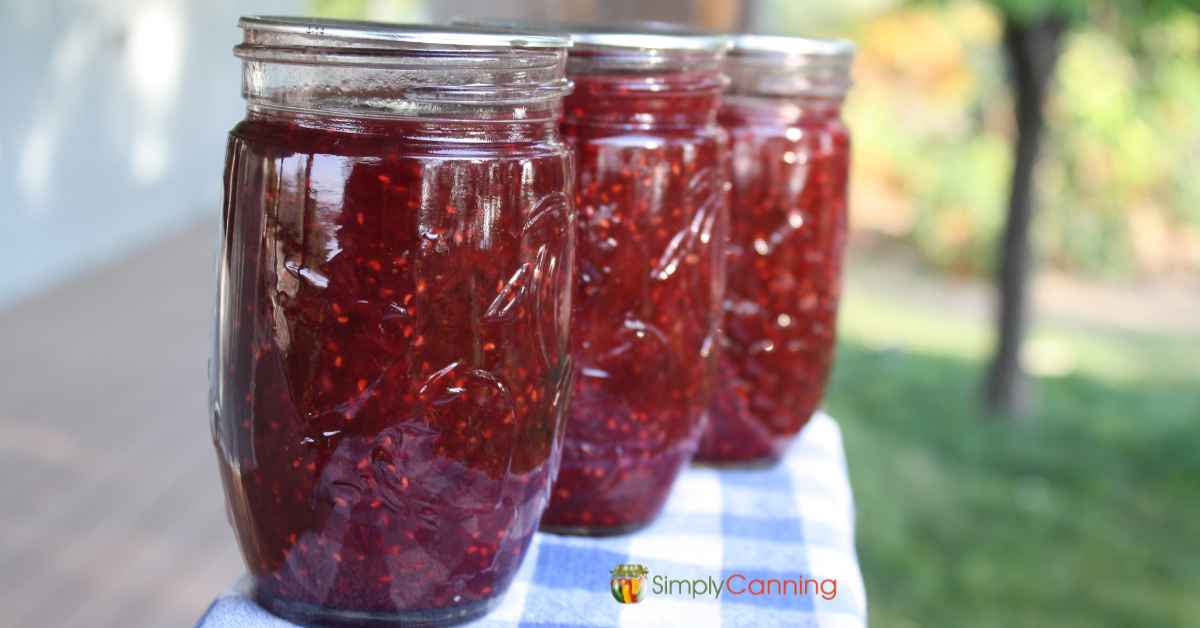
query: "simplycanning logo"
629, 585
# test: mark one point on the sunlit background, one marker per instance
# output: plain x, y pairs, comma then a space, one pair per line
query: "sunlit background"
1082, 513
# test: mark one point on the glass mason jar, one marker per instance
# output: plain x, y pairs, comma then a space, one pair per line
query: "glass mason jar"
391, 372
790, 165
652, 196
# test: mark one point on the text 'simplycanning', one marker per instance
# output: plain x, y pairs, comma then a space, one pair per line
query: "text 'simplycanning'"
629, 585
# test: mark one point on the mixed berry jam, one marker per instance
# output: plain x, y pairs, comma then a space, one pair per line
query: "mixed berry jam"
788, 230
391, 369
651, 192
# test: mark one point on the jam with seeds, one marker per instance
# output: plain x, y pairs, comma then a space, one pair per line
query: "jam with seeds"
391, 370
651, 194
790, 165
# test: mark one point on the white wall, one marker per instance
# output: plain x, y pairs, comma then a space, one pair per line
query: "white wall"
112, 126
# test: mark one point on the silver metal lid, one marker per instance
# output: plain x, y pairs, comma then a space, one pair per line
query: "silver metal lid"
328, 33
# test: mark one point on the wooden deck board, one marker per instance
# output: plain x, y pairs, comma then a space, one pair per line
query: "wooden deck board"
113, 511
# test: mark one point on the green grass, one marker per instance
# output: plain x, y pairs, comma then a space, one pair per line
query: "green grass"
1085, 514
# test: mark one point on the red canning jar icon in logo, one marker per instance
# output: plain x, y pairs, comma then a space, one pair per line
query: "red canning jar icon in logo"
629, 583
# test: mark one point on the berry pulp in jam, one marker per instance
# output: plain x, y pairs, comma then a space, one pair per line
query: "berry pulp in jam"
390, 373
790, 167
651, 193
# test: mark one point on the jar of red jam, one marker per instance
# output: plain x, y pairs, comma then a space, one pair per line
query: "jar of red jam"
391, 370
652, 196
790, 164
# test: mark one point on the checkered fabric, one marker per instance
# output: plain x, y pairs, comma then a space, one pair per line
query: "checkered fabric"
792, 521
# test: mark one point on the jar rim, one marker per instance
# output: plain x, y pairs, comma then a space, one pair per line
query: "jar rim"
797, 50
352, 34
649, 41
648, 37
781, 66
397, 70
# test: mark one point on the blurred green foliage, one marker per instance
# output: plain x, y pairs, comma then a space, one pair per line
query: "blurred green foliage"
1117, 185
932, 116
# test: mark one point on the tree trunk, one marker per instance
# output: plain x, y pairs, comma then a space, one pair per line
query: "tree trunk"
1032, 49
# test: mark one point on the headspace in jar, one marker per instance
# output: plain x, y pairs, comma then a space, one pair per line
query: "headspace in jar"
790, 165
652, 194
394, 287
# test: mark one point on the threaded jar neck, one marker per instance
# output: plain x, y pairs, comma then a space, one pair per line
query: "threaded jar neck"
372, 70
795, 67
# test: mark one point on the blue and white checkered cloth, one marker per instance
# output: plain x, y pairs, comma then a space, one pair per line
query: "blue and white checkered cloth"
795, 520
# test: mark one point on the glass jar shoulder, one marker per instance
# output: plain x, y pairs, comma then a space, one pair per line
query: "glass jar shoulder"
632, 136
401, 138
791, 130
637, 154
802, 144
